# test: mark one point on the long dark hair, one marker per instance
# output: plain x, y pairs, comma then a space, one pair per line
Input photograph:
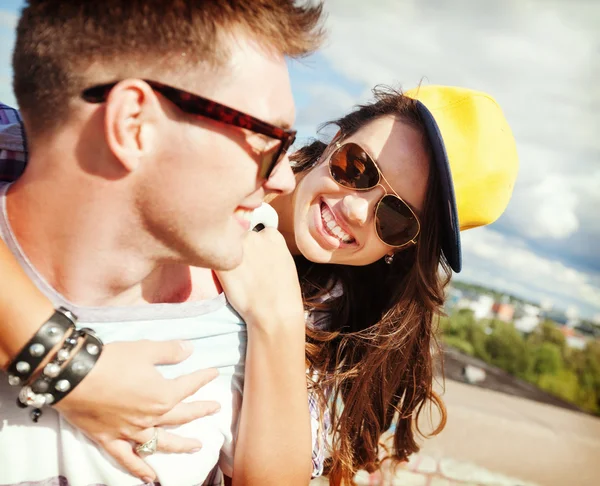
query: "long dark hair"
373, 366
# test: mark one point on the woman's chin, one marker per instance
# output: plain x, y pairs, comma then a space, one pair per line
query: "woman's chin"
313, 252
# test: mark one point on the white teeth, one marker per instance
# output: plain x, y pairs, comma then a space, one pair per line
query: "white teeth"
333, 227
245, 213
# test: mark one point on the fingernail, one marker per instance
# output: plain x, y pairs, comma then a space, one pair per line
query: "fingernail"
148, 480
187, 346
216, 409
193, 451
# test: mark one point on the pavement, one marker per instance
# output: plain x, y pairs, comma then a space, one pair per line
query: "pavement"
496, 439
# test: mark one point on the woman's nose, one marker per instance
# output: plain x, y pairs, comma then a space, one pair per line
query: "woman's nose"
356, 208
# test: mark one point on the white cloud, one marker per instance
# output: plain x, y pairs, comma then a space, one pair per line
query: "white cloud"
509, 264
326, 102
538, 58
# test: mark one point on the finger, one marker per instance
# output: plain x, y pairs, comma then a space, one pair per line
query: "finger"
168, 442
123, 453
185, 412
187, 385
169, 352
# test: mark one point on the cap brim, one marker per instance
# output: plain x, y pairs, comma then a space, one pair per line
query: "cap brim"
450, 226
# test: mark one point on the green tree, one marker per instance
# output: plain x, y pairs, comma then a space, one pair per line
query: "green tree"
507, 349
548, 332
564, 384
547, 359
585, 364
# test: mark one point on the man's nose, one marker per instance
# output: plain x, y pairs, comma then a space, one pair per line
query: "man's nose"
281, 180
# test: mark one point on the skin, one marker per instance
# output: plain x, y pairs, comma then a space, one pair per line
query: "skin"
398, 151
130, 237
269, 432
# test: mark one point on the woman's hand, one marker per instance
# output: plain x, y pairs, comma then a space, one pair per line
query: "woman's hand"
274, 437
124, 397
264, 289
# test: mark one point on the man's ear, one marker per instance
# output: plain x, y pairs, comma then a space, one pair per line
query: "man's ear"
132, 113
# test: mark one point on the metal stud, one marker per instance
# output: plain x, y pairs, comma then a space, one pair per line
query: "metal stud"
14, 380
37, 350
92, 348
52, 331
63, 385
40, 386
63, 354
79, 367
52, 370
23, 367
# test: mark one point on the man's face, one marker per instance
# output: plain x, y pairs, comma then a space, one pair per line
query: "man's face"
198, 192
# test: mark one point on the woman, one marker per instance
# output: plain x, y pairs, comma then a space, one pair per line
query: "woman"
373, 225
370, 222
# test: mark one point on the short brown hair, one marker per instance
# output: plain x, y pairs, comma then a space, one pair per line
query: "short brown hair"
59, 40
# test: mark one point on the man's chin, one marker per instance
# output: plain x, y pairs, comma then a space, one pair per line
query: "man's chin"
228, 261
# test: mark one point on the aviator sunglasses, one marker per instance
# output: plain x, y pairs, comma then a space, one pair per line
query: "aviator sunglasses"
197, 105
352, 167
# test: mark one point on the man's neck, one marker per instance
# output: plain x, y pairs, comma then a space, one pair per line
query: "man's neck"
94, 252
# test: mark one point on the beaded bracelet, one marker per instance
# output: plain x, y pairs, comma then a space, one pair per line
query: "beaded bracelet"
35, 351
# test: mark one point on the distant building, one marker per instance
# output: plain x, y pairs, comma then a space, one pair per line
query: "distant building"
530, 318
574, 339
503, 311
481, 306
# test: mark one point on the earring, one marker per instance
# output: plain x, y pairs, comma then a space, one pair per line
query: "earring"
389, 259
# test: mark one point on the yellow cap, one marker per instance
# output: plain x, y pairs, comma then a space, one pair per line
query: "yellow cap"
476, 156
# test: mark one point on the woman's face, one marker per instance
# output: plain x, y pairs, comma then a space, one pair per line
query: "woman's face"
398, 151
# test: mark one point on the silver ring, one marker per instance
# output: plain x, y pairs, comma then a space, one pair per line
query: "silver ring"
149, 447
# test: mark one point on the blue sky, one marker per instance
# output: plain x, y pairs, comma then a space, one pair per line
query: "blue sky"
539, 58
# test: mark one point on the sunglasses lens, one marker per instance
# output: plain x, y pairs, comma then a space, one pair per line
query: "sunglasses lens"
270, 157
396, 223
352, 167
273, 154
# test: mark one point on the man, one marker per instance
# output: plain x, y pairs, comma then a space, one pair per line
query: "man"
139, 173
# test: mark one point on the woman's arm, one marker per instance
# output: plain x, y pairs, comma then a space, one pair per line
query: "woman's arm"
23, 308
274, 437
274, 443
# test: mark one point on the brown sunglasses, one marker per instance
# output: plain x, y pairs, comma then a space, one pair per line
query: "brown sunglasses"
197, 105
352, 167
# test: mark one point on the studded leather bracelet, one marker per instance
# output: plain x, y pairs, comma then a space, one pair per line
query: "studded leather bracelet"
35, 351
57, 379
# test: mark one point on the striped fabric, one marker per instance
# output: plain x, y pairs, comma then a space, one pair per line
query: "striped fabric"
13, 145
